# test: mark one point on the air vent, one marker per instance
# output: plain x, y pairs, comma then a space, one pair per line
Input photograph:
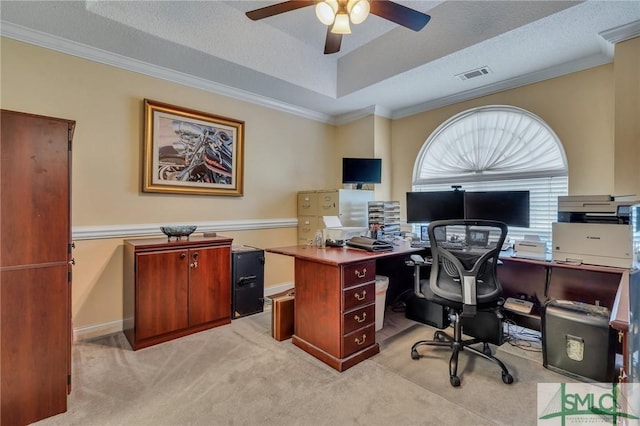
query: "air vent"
478, 72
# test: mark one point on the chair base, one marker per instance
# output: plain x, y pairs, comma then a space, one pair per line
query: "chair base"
457, 345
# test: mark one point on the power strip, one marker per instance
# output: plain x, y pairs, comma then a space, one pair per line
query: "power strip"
518, 305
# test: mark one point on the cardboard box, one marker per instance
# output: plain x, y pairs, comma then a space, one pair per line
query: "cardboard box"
282, 314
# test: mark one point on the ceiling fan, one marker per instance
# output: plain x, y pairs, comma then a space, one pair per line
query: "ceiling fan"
336, 14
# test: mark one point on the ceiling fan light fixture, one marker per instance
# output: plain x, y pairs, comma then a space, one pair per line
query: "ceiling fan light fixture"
326, 11
358, 10
341, 24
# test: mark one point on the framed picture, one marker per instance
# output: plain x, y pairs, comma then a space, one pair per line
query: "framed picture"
191, 152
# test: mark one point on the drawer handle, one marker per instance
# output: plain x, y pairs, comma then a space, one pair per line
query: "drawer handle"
364, 273
357, 317
360, 342
360, 298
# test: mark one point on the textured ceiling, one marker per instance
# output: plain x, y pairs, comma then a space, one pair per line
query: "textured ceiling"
280, 61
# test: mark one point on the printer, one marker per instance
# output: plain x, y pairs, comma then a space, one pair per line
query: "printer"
594, 229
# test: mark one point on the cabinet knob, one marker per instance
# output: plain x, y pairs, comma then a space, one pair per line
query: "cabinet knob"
183, 255
194, 264
72, 262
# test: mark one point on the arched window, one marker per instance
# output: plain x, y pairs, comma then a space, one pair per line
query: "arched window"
494, 148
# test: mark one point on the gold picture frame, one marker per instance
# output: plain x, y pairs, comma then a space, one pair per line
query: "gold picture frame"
191, 152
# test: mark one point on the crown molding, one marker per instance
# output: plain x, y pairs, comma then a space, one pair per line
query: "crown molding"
621, 33
535, 77
59, 44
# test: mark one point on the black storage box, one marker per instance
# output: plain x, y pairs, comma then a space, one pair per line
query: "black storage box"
577, 341
247, 281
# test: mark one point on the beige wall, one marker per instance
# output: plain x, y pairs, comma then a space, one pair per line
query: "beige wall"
627, 114
284, 153
578, 107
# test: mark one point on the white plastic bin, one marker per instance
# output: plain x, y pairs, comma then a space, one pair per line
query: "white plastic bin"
382, 283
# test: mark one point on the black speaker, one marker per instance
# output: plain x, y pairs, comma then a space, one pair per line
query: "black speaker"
577, 340
247, 281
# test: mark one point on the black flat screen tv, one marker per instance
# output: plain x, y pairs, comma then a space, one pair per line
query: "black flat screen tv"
361, 171
510, 207
423, 207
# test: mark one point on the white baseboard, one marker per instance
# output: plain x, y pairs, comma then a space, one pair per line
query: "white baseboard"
92, 331
277, 289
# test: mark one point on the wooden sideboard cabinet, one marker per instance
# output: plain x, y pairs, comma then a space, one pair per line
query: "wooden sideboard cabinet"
175, 288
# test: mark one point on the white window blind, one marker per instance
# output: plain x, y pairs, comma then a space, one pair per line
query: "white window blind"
498, 148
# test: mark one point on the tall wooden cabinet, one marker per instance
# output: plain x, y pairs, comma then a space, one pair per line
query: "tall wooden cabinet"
35, 270
175, 288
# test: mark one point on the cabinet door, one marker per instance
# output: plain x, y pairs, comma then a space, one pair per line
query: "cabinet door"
35, 335
209, 285
35, 224
162, 286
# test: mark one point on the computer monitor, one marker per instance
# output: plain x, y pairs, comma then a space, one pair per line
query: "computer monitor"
424, 207
510, 207
477, 237
361, 171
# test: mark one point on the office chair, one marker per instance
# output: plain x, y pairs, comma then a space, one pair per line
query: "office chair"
464, 280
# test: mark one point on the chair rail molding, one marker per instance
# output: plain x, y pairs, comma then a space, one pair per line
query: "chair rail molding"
153, 229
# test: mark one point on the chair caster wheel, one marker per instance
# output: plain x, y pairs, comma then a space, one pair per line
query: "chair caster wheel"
487, 351
415, 354
455, 381
437, 337
507, 378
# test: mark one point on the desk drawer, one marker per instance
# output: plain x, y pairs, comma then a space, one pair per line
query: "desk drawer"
358, 318
358, 340
359, 273
358, 296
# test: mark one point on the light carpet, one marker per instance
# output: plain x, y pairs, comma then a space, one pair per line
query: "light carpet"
238, 375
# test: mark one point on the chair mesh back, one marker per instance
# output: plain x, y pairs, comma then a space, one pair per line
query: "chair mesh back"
467, 254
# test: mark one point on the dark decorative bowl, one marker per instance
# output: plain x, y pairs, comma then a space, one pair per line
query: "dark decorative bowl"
178, 231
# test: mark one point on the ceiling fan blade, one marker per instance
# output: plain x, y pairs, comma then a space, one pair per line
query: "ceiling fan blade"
333, 42
399, 14
276, 9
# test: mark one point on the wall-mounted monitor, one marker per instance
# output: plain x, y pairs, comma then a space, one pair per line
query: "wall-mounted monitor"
361, 171
423, 207
510, 207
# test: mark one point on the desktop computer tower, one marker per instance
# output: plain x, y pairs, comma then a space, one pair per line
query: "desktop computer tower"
426, 312
247, 281
577, 340
484, 325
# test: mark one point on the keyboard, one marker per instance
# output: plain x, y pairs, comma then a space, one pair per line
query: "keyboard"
420, 244
449, 245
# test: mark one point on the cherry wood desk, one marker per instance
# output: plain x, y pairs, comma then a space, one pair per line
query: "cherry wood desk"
540, 280
335, 296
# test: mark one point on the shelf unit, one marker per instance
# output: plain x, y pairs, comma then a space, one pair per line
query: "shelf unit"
385, 214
